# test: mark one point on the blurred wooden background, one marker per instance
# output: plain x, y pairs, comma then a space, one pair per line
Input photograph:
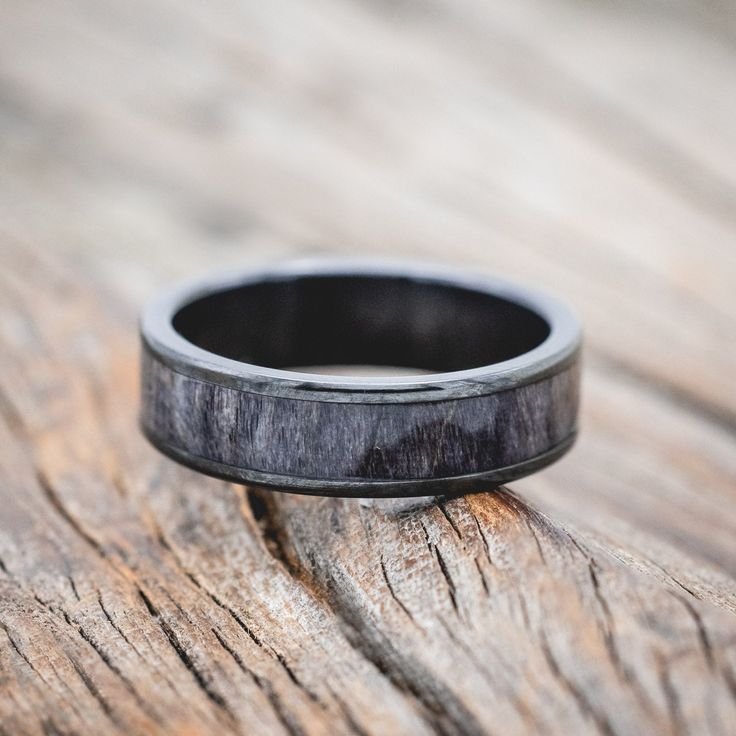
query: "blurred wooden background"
588, 148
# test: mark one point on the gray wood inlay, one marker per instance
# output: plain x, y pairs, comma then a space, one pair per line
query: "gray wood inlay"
331, 440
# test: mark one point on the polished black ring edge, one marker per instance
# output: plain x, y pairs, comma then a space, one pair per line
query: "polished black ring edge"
560, 350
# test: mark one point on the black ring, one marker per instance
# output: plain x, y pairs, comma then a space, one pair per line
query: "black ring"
500, 401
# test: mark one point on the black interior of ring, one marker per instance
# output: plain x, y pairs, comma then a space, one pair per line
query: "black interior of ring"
360, 320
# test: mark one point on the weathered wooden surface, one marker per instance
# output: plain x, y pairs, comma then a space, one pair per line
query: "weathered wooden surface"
584, 147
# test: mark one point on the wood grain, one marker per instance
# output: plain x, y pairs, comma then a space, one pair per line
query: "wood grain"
342, 441
583, 148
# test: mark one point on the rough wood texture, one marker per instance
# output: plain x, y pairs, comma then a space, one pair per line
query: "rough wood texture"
583, 147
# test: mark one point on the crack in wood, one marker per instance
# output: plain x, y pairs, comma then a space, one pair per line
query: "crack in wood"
264, 510
483, 538
73, 586
672, 698
579, 697
451, 590
62, 614
702, 633
393, 592
95, 692
20, 653
441, 506
348, 715
521, 708
439, 706
482, 576
233, 614
290, 724
144, 706
609, 627
12, 417
56, 503
215, 697
112, 623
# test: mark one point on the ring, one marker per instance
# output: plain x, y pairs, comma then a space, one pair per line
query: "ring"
488, 390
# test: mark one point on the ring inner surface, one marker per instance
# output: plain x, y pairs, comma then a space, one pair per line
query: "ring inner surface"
360, 321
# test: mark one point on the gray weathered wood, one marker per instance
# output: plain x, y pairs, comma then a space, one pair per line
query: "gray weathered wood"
343, 442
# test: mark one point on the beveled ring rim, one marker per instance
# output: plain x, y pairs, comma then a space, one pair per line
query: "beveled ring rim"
559, 349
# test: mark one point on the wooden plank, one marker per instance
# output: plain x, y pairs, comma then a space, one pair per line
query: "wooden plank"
140, 596
139, 142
